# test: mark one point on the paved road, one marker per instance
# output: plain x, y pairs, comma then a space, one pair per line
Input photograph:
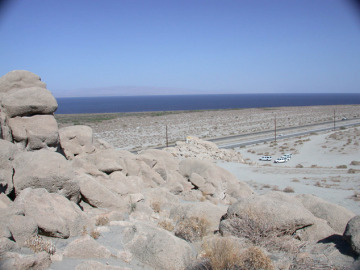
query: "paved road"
248, 139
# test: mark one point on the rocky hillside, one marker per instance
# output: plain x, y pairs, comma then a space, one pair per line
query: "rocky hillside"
68, 201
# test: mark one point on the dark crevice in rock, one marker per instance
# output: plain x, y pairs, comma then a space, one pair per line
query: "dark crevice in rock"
86, 201
12, 195
341, 244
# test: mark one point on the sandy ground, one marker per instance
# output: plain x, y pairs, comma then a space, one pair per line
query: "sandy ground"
321, 165
136, 131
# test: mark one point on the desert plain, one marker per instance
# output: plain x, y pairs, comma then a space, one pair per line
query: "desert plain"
326, 164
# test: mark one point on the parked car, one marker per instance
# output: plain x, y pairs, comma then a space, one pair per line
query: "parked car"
280, 160
287, 157
265, 158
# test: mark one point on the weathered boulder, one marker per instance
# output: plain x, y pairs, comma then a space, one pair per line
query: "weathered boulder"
45, 169
7, 245
336, 215
18, 79
22, 228
29, 101
7, 153
273, 212
157, 247
35, 132
37, 261
86, 248
352, 234
214, 181
54, 215
76, 140
97, 195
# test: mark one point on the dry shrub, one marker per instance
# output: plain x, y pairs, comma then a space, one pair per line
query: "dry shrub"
102, 221
192, 229
351, 171
95, 234
295, 180
225, 254
275, 188
254, 258
222, 253
167, 225
38, 244
341, 167
156, 206
355, 163
299, 166
289, 190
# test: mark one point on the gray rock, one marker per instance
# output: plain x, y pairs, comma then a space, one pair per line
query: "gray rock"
157, 247
29, 101
97, 195
18, 79
35, 132
16, 261
7, 245
94, 265
336, 215
22, 228
44, 169
86, 248
352, 234
54, 215
76, 140
7, 153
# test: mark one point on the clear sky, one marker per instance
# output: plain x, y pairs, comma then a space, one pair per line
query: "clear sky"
117, 47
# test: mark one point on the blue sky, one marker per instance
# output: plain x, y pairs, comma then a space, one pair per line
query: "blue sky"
124, 47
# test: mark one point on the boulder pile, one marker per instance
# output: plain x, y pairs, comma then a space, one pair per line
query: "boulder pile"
68, 201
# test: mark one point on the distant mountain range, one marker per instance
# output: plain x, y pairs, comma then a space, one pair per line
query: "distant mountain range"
127, 91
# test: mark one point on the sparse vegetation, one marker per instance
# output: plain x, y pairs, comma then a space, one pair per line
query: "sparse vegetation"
95, 234
355, 163
192, 229
341, 167
289, 190
156, 206
166, 224
102, 221
38, 244
299, 166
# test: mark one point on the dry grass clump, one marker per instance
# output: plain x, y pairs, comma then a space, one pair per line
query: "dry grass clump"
95, 234
102, 221
156, 206
38, 244
355, 163
341, 167
352, 171
166, 224
275, 188
299, 166
288, 190
192, 229
224, 253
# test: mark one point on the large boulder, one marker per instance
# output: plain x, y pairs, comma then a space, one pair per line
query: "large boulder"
214, 181
86, 248
54, 215
157, 247
22, 228
35, 132
18, 79
29, 101
37, 261
76, 140
352, 234
273, 213
7, 154
45, 169
336, 215
97, 195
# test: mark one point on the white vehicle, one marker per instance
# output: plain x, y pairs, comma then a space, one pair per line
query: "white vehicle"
265, 158
287, 157
280, 160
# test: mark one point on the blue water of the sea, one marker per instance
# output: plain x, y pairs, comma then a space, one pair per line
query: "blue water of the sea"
197, 102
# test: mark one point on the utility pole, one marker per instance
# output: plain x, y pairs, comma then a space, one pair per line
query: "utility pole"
275, 127
167, 140
334, 119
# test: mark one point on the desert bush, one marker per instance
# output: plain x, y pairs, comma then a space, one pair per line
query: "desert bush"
341, 167
351, 171
132, 207
38, 244
166, 224
254, 258
314, 166
95, 234
355, 163
295, 180
192, 229
317, 184
156, 206
299, 166
275, 188
102, 221
289, 190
